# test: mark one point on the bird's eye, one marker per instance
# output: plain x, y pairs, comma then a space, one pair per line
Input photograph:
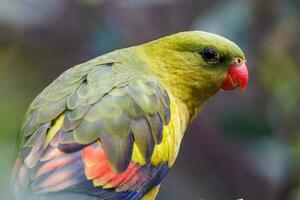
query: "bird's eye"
209, 55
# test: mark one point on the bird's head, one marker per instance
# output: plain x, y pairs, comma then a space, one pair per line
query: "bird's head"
196, 64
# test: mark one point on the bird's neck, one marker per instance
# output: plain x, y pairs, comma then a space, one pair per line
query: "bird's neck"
189, 91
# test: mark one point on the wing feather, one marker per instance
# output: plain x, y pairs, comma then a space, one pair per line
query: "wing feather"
101, 104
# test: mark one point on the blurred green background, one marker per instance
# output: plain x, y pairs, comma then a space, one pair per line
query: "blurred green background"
241, 146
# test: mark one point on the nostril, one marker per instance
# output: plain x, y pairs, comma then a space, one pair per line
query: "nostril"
238, 61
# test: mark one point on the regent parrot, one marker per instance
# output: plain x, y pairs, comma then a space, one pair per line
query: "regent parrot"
111, 128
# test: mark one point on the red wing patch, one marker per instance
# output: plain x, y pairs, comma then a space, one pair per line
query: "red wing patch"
96, 168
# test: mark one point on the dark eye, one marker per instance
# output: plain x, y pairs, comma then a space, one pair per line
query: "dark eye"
209, 55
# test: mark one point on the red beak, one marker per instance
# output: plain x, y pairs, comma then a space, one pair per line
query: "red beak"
237, 76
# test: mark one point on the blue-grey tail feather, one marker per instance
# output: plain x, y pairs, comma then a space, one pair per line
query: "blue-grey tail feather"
161, 173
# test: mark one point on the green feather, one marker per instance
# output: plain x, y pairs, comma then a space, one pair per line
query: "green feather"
106, 103
118, 151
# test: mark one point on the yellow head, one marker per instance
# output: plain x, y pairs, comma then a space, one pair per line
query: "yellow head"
195, 65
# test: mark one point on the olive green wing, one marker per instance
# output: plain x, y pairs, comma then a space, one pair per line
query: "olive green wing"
109, 103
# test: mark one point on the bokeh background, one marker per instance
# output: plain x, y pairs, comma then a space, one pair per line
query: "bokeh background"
241, 146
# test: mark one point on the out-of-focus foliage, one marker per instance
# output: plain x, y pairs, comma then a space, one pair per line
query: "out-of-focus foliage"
242, 146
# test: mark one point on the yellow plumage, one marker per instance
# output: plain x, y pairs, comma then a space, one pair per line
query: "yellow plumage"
54, 129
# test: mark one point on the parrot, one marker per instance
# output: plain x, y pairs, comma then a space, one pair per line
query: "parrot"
111, 128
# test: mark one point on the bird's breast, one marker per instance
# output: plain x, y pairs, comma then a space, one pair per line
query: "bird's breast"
167, 150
